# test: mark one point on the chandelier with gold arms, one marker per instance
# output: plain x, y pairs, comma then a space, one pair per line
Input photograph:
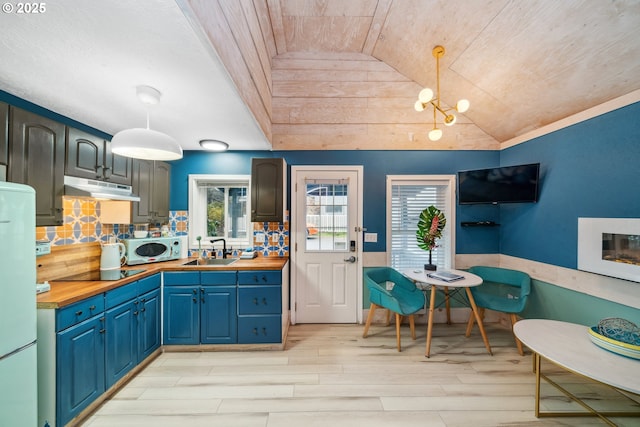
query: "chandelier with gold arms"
425, 97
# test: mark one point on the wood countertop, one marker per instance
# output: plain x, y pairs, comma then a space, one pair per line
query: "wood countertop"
63, 293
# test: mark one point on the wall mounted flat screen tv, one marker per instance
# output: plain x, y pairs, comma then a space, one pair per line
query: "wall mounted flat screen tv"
508, 184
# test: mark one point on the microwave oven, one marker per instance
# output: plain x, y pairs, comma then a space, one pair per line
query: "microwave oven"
154, 249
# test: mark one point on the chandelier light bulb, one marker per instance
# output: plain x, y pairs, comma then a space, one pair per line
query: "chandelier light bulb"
450, 120
435, 134
425, 95
463, 105
419, 106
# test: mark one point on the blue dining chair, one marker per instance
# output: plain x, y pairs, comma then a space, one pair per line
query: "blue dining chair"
502, 290
391, 290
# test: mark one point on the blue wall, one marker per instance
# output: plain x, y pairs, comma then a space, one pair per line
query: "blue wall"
377, 165
589, 169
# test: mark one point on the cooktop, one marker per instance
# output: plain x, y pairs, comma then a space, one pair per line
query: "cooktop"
102, 275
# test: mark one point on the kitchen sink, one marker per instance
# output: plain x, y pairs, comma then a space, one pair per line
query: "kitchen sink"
212, 261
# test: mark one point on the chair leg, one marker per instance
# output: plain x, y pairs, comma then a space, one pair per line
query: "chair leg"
398, 320
372, 308
412, 325
388, 317
514, 319
472, 321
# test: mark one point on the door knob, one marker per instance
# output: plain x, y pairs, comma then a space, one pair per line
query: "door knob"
350, 259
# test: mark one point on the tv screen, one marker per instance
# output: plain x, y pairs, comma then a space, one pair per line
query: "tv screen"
508, 184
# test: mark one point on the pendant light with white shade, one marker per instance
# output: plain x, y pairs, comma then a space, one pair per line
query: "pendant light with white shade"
148, 144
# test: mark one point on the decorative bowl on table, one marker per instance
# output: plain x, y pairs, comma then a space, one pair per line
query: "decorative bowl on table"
618, 336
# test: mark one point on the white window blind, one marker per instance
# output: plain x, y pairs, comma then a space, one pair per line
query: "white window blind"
406, 199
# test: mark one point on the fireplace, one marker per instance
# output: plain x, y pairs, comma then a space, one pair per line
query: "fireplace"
610, 246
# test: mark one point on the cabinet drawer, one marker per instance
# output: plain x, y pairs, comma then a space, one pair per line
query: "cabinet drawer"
148, 284
259, 300
179, 279
218, 278
119, 295
79, 312
259, 277
259, 329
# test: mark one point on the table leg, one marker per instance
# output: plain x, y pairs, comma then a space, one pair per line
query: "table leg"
536, 366
447, 304
432, 309
472, 303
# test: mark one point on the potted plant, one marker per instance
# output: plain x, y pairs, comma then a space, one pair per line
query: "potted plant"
430, 226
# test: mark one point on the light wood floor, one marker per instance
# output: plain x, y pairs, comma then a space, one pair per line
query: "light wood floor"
330, 376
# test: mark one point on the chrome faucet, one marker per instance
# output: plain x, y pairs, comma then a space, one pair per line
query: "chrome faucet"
224, 247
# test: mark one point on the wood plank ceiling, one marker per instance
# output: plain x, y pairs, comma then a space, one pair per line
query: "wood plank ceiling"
342, 75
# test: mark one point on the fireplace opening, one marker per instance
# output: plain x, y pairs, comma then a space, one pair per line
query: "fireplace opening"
622, 248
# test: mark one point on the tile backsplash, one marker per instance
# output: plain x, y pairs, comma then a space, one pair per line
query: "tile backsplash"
82, 225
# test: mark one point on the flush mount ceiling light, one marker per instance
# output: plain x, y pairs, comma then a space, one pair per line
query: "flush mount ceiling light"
214, 145
425, 97
140, 143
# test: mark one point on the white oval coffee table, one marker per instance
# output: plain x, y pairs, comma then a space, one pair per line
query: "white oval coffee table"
568, 345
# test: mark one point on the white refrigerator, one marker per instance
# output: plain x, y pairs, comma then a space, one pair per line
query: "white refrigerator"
18, 358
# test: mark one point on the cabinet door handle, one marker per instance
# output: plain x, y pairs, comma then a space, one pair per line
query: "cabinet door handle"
102, 331
79, 313
264, 301
202, 299
255, 331
195, 291
195, 299
264, 331
93, 307
264, 279
143, 310
255, 301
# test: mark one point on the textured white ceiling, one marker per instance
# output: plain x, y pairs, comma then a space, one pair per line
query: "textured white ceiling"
84, 58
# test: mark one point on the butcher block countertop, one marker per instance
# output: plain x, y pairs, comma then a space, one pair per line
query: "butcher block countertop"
63, 293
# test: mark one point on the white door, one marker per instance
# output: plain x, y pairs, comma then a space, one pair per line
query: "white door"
327, 244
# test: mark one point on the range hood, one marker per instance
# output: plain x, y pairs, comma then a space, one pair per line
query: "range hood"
82, 187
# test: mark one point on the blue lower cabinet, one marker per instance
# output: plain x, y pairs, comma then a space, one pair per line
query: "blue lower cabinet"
259, 307
80, 367
181, 315
200, 308
218, 324
121, 351
259, 329
148, 324
101, 339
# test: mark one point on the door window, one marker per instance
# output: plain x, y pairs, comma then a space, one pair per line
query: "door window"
326, 216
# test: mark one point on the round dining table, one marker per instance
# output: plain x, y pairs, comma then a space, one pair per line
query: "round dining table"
427, 283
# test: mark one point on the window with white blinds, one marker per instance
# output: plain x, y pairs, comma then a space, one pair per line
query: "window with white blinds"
407, 197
